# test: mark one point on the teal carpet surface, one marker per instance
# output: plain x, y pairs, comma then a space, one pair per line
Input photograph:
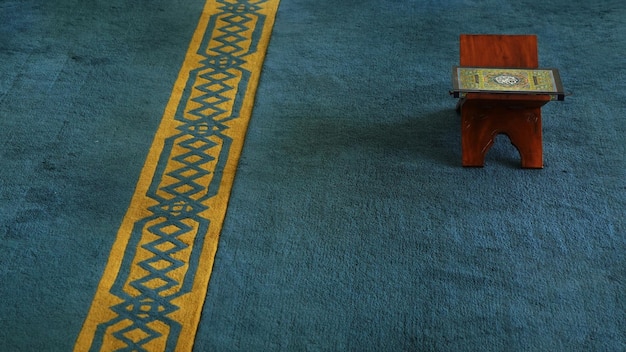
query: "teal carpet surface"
351, 225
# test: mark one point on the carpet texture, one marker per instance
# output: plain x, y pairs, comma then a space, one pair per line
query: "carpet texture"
351, 224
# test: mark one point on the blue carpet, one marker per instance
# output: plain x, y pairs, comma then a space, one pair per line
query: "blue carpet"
351, 224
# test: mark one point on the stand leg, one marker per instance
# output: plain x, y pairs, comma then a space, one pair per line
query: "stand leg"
480, 126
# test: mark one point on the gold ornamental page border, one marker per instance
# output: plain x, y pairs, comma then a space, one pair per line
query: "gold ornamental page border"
151, 294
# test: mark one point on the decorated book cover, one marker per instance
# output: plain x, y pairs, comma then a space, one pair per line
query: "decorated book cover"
507, 80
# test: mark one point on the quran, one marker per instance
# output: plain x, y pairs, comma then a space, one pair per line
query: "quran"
507, 80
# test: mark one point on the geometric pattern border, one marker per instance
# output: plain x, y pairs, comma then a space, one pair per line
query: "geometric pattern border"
155, 282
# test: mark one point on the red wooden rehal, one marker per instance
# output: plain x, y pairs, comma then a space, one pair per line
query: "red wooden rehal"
486, 115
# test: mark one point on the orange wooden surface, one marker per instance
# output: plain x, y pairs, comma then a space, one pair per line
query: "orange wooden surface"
485, 115
493, 50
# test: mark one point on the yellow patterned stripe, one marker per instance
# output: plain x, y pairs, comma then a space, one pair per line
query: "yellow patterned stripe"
156, 279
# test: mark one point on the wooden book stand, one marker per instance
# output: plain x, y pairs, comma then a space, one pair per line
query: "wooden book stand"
485, 115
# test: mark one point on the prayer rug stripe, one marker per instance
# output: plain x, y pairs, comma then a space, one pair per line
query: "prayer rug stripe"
151, 294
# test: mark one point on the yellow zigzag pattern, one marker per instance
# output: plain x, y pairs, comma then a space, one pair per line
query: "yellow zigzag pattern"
156, 279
